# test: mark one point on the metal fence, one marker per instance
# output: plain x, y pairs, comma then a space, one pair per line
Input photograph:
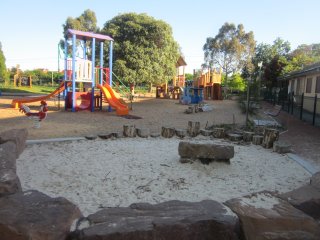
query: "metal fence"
306, 108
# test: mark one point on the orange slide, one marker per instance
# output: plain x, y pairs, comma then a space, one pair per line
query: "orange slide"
16, 103
113, 100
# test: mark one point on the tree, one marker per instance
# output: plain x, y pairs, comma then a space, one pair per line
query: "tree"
87, 22
4, 75
144, 48
231, 49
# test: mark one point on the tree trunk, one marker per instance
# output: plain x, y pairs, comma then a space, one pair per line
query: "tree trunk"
167, 132
270, 135
193, 128
129, 131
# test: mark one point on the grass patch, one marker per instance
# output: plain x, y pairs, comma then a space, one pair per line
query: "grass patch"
34, 89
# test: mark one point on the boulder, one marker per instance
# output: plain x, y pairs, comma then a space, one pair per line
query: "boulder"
17, 136
315, 180
9, 182
169, 220
305, 198
34, 215
264, 217
8, 155
205, 151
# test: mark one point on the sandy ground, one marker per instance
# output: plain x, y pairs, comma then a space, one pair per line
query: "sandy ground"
154, 114
107, 173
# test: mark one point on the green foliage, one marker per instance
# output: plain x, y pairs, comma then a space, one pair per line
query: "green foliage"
189, 76
87, 22
144, 48
237, 82
231, 49
4, 75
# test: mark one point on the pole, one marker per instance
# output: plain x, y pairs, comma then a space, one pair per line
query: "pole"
247, 107
92, 73
110, 62
101, 63
74, 37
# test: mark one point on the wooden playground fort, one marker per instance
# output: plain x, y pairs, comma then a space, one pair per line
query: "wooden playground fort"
206, 87
85, 85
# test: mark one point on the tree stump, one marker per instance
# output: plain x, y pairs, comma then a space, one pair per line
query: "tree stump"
181, 133
281, 147
257, 139
218, 133
143, 132
270, 135
105, 135
167, 132
129, 131
247, 136
91, 137
154, 134
193, 128
234, 137
205, 132
117, 134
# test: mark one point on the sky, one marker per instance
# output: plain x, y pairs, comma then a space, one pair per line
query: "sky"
30, 30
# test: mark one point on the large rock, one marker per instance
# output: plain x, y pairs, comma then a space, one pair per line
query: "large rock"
18, 136
205, 151
8, 155
34, 215
169, 220
305, 198
9, 182
265, 217
315, 180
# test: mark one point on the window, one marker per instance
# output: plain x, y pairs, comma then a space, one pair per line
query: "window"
309, 85
318, 85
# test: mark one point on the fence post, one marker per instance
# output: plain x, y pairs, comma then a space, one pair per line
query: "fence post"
314, 110
301, 107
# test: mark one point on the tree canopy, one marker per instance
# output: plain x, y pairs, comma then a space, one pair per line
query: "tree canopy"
4, 76
144, 48
231, 49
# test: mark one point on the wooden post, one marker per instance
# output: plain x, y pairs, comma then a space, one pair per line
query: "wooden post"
167, 132
270, 135
193, 128
257, 139
129, 131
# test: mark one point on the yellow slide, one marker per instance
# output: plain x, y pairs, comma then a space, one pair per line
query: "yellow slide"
113, 100
16, 103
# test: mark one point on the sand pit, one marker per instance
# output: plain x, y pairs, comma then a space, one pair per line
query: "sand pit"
108, 173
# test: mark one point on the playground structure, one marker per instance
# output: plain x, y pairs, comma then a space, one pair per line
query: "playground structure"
85, 86
206, 87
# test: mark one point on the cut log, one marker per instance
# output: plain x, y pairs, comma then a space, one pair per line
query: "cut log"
181, 133
105, 135
257, 139
154, 134
234, 137
129, 131
247, 136
193, 128
270, 135
143, 132
205, 132
205, 152
91, 137
117, 134
167, 132
189, 110
281, 147
196, 108
218, 132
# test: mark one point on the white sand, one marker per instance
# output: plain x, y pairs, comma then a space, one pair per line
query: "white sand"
110, 173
